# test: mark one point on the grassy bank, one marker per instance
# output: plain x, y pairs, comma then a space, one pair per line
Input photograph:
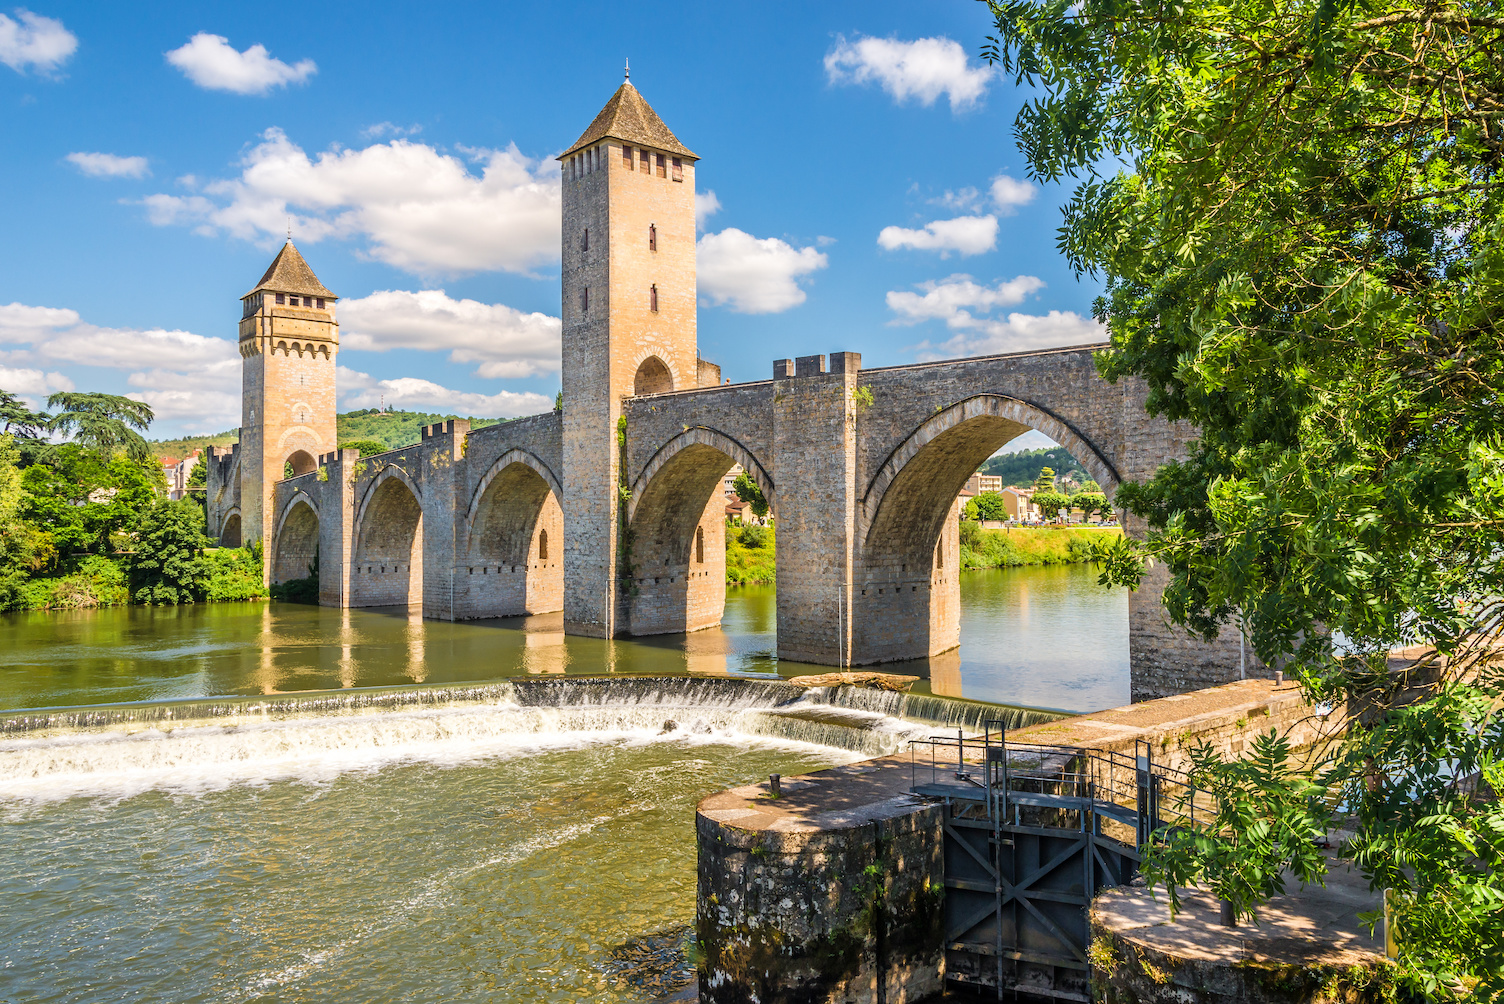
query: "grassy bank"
1026, 545
749, 555
101, 580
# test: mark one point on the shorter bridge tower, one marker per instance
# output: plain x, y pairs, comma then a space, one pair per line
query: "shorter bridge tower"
289, 340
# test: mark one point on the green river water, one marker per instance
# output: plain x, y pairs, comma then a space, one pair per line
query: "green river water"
431, 841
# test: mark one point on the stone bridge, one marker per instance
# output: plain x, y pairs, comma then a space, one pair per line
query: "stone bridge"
469, 524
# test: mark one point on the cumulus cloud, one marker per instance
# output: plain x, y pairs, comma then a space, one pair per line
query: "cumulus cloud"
505, 342
33, 41
211, 62
923, 69
752, 275
107, 165
361, 390
192, 376
962, 304
1009, 192
31, 385
420, 210
965, 235
950, 299
706, 206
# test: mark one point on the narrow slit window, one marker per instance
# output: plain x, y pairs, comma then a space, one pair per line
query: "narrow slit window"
653, 298
585, 239
584, 299
662, 166
700, 544
542, 545
652, 237
678, 169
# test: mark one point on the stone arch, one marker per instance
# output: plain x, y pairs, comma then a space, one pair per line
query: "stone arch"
230, 533
507, 567
302, 462
388, 562
702, 436
296, 546
906, 585
676, 518
653, 377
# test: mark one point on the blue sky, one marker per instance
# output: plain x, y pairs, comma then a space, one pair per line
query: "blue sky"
871, 197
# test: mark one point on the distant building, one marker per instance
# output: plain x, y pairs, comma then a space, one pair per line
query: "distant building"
177, 473
741, 512
1020, 503
979, 483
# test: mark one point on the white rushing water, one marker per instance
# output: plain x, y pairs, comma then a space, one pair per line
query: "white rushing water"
208, 746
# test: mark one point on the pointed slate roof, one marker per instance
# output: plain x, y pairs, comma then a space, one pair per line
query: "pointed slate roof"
628, 117
289, 273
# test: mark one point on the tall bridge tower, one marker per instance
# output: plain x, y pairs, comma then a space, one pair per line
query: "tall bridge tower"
288, 343
629, 326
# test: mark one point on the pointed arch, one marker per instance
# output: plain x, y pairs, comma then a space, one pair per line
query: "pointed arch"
701, 435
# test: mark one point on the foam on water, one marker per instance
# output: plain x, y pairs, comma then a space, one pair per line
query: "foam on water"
196, 747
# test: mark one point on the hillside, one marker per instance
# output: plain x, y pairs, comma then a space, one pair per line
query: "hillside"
394, 428
1022, 468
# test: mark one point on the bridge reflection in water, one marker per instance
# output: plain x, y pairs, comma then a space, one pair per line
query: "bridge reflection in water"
1043, 637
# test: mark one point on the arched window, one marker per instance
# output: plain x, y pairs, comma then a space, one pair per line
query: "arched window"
542, 545
652, 377
700, 544
940, 554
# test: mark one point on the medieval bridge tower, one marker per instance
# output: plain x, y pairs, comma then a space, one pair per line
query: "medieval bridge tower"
610, 510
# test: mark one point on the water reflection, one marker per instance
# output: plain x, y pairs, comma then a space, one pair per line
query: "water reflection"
1046, 637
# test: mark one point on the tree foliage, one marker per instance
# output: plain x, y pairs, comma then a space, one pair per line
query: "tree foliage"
1045, 482
1296, 210
1050, 503
751, 493
168, 566
103, 423
985, 505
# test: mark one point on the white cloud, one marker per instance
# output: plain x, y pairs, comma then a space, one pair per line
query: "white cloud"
191, 376
361, 390
32, 386
958, 299
381, 129
107, 165
213, 64
753, 276
922, 69
706, 206
420, 210
950, 299
34, 41
506, 342
965, 235
1017, 333
1008, 193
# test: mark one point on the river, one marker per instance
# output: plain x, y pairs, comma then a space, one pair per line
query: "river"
1045, 637
337, 834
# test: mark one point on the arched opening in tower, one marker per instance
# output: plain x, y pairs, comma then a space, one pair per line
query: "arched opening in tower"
302, 462
511, 566
388, 565
297, 544
679, 545
652, 377
229, 536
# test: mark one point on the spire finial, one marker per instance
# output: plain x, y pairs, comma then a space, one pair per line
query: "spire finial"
628, 70
289, 229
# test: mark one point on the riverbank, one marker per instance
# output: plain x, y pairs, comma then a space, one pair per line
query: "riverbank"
103, 580
749, 555
1028, 545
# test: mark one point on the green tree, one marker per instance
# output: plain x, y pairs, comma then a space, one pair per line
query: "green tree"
1091, 502
18, 420
168, 566
1046, 480
1296, 211
986, 505
103, 423
1050, 504
751, 493
367, 447
86, 504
